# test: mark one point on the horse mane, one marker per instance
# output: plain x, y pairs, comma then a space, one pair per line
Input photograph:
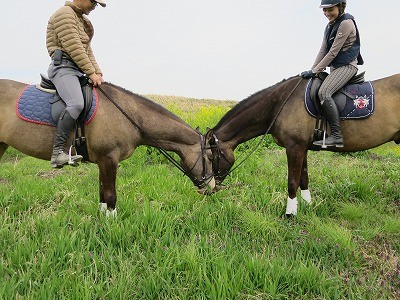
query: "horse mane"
145, 101
249, 101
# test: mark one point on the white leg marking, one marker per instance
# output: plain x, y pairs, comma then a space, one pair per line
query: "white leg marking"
107, 212
103, 207
291, 208
111, 213
306, 196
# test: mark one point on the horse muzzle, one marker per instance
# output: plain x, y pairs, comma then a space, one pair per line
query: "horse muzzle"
209, 188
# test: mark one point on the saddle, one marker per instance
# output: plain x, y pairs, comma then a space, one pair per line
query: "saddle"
58, 106
354, 101
340, 96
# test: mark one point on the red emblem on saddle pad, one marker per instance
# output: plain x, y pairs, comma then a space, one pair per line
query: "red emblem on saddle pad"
361, 102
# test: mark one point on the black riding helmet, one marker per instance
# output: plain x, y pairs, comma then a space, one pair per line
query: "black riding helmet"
330, 3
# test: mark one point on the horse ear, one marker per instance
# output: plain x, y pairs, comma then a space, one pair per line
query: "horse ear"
209, 133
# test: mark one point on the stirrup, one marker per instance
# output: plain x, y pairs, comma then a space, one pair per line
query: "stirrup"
68, 159
73, 160
323, 144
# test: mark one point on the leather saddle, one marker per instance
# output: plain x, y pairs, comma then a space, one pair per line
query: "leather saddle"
58, 106
340, 96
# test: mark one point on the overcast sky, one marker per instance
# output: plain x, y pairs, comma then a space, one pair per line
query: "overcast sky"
218, 49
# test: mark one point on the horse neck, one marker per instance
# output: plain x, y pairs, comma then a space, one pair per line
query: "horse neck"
162, 129
255, 115
170, 134
158, 126
250, 121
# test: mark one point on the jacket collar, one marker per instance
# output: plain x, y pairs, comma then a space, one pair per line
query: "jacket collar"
74, 7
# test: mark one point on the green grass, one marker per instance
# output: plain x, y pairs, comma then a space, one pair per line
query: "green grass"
168, 242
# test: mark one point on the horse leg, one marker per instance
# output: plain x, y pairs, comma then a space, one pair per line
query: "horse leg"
3, 148
295, 158
107, 177
305, 192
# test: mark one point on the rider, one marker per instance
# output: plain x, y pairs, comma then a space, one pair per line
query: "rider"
68, 38
340, 50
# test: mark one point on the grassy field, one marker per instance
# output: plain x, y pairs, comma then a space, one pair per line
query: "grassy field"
168, 242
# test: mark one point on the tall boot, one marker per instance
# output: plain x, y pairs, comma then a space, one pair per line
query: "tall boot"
64, 126
330, 111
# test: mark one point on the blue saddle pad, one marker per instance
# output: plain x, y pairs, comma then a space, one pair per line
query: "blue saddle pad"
34, 106
361, 105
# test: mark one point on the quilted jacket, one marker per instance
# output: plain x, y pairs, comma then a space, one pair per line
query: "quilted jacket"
70, 31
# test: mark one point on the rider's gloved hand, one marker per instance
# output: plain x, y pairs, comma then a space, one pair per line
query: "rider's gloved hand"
97, 79
307, 74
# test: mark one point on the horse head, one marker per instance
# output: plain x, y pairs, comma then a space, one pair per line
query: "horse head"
197, 165
222, 158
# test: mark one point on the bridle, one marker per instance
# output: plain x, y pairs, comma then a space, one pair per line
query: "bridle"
218, 154
205, 178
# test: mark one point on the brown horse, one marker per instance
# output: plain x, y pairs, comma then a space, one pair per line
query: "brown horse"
280, 111
111, 136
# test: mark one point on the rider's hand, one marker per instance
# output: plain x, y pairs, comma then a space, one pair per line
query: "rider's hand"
307, 74
96, 79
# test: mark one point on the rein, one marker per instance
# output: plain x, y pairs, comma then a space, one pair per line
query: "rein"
199, 183
262, 139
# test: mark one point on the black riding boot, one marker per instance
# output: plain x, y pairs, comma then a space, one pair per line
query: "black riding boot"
330, 111
64, 126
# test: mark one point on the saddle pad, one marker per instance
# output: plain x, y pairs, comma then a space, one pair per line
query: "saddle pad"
361, 105
34, 106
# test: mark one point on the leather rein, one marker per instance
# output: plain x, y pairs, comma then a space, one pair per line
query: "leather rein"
200, 183
215, 145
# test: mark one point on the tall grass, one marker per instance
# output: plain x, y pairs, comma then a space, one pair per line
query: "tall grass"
168, 242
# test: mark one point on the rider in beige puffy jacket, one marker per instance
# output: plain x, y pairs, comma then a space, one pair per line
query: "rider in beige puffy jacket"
68, 37
71, 31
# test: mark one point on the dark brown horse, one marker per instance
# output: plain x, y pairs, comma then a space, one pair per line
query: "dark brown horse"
111, 136
280, 111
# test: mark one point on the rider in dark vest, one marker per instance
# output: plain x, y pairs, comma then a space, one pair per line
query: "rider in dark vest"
340, 50
346, 56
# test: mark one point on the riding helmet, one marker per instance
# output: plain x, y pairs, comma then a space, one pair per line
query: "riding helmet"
330, 3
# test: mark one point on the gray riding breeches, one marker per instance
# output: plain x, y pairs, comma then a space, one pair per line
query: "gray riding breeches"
66, 79
335, 81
